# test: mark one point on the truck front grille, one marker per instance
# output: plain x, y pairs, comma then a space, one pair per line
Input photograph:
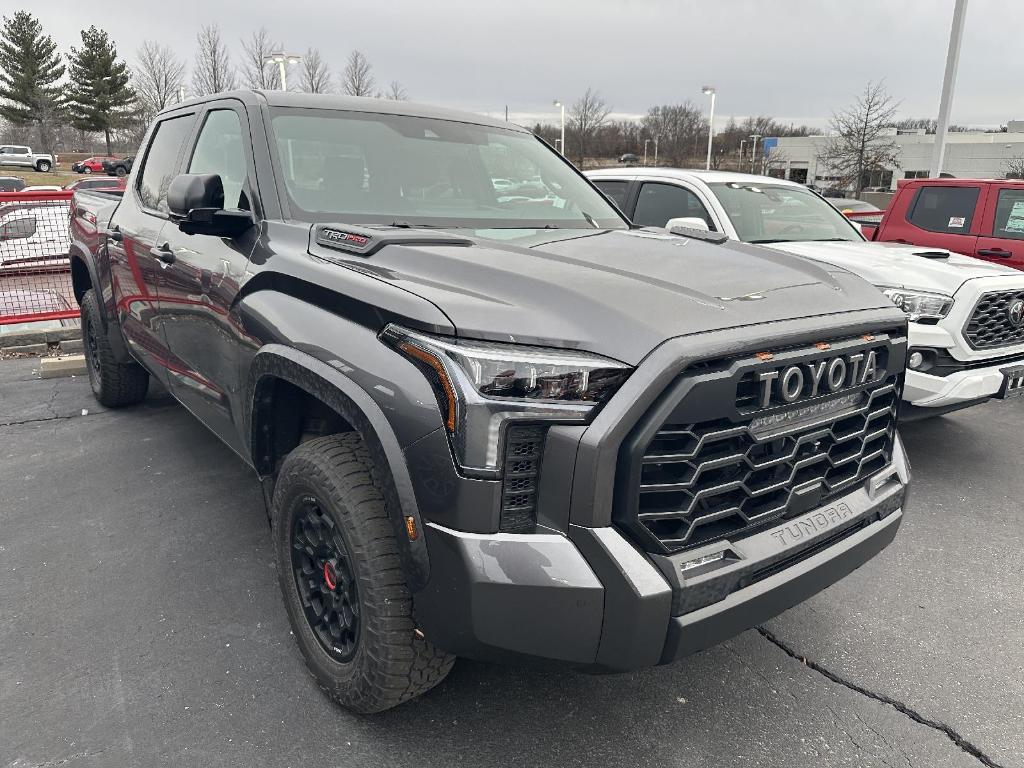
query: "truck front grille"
997, 320
693, 482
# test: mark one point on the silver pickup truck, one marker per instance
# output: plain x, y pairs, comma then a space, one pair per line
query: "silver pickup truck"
13, 154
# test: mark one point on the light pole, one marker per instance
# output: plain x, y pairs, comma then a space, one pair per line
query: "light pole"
743, 146
646, 142
181, 93
956, 34
281, 59
558, 103
707, 90
655, 151
753, 149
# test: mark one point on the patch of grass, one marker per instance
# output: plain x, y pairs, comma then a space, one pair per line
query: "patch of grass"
58, 177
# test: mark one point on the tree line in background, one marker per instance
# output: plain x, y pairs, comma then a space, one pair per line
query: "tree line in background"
673, 134
70, 101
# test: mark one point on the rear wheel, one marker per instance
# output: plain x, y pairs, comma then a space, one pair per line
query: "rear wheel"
113, 383
121, 171
43, 166
342, 581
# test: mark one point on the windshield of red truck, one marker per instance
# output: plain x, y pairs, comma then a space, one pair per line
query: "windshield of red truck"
394, 169
766, 213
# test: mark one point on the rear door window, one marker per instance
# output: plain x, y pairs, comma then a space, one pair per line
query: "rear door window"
660, 202
1009, 221
944, 209
162, 160
616, 191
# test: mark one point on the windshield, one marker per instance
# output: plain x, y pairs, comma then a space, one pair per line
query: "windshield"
767, 213
370, 168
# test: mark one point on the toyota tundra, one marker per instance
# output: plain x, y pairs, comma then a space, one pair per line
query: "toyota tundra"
491, 418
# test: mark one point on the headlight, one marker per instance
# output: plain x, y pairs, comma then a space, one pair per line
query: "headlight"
920, 305
481, 386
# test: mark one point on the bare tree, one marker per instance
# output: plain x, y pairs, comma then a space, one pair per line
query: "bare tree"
213, 72
157, 76
257, 72
863, 140
315, 77
396, 92
1013, 167
586, 117
681, 130
357, 77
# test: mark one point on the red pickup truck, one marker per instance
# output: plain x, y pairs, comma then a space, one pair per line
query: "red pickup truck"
975, 217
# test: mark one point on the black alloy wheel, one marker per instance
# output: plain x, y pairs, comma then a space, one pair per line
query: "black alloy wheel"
325, 581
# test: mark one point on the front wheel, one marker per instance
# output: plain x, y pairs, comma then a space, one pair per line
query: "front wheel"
43, 166
113, 383
87, 169
342, 580
121, 171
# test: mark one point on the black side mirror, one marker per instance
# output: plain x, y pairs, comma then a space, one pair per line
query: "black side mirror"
196, 203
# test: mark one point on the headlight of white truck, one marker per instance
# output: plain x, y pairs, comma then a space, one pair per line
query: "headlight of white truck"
481, 386
919, 305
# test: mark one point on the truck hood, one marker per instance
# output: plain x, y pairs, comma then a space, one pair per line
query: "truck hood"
616, 293
900, 266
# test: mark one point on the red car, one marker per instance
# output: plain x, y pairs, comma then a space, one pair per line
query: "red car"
100, 183
976, 217
91, 164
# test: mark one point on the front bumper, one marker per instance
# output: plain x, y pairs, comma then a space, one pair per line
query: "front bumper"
926, 391
593, 600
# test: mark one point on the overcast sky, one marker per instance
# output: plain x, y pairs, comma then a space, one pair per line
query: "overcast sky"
796, 60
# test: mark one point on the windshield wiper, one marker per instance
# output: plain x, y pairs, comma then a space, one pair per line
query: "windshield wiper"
767, 242
829, 240
590, 219
409, 225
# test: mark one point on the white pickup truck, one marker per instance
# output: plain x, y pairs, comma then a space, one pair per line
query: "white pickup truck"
966, 315
23, 157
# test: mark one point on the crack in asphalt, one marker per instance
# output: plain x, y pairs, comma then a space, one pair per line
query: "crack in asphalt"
962, 743
55, 417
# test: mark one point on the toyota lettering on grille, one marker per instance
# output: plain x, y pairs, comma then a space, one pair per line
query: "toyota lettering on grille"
801, 381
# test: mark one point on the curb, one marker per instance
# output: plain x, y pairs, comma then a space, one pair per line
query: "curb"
59, 341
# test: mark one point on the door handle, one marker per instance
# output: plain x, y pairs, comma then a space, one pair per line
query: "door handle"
164, 254
998, 253
115, 234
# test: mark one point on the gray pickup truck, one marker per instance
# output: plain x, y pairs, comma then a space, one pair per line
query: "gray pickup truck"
491, 417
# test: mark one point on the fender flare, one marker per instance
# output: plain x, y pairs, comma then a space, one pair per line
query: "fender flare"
340, 393
77, 253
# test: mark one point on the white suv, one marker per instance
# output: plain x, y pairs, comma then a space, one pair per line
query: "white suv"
24, 157
966, 315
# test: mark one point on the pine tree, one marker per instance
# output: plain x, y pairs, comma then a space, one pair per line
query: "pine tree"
101, 97
30, 69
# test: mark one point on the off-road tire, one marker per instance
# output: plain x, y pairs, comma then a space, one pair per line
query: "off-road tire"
43, 166
113, 383
392, 663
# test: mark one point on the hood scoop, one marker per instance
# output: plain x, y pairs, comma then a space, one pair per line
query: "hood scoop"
366, 241
932, 254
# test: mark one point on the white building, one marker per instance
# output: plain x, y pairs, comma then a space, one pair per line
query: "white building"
968, 155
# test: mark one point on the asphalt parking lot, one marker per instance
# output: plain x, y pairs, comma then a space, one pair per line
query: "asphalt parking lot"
142, 626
